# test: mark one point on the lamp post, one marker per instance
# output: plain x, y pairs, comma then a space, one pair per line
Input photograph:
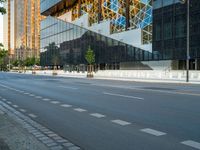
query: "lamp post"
188, 39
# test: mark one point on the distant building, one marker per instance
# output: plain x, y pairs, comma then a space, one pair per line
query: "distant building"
22, 28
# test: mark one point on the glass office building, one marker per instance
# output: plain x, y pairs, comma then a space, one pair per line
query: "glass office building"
65, 44
170, 31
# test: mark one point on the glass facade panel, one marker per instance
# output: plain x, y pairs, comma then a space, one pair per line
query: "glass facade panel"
68, 43
46, 4
170, 29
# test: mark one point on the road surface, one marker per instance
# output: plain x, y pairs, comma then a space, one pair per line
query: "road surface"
109, 115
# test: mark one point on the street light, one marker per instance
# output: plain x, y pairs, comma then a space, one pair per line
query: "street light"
188, 38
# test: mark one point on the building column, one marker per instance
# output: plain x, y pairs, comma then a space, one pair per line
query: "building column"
127, 14
99, 10
79, 8
9, 29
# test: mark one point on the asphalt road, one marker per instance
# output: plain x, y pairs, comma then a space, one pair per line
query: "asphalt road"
109, 115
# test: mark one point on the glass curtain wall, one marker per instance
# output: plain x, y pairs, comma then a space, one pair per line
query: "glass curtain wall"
65, 44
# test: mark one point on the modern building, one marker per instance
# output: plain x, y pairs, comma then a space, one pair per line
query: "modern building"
118, 31
170, 32
22, 28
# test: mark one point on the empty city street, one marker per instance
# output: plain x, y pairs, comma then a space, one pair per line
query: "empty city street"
106, 114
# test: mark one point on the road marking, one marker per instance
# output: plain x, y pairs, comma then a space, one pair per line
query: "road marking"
66, 105
22, 110
97, 115
46, 99
80, 110
67, 87
15, 106
126, 96
38, 97
9, 102
153, 132
32, 115
55, 102
31, 95
191, 144
4, 99
26, 93
121, 122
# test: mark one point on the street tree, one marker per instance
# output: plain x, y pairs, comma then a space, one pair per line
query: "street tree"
2, 9
3, 56
90, 58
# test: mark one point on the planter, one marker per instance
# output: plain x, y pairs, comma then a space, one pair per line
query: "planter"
33, 72
90, 75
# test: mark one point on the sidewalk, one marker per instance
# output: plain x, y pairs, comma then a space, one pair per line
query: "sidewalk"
14, 137
133, 75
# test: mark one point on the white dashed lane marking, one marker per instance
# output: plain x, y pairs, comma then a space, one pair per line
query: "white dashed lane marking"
55, 102
38, 97
153, 132
22, 110
9, 102
67, 87
125, 96
80, 110
121, 122
15, 106
32, 115
97, 115
66, 105
26, 93
191, 144
4, 99
31, 95
46, 99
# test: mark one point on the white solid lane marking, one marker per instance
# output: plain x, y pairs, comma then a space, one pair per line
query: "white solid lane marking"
192, 144
80, 110
32, 115
67, 87
15, 106
66, 105
126, 96
121, 122
46, 99
97, 115
55, 102
153, 132
22, 110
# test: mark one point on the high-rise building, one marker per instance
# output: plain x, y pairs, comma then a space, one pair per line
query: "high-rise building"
22, 28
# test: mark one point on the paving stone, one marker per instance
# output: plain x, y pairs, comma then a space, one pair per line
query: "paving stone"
57, 148
68, 144
74, 148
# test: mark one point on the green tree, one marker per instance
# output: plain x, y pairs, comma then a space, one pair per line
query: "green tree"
90, 57
3, 55
2, 9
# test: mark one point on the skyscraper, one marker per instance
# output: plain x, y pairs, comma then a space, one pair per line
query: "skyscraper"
22, 28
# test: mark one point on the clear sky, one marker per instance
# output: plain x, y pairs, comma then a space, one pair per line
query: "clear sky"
1, 28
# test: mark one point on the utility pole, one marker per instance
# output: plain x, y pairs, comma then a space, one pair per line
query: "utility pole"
188, 39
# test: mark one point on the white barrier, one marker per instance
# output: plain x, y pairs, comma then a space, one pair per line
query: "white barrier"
128, 74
